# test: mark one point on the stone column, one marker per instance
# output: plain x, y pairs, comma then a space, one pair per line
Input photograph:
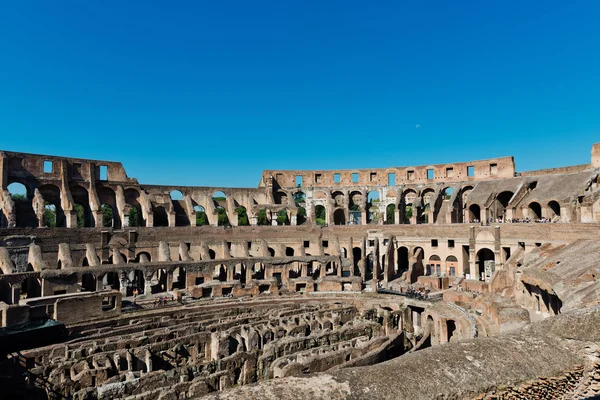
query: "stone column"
248, 273
15, 293
148, 284
169, 285
230, 271
123, 283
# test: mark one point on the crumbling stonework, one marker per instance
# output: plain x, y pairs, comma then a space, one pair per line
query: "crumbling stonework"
345, 279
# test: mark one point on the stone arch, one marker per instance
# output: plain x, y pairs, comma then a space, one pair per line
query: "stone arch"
220, 201
143, 257
242, 216
320, 215
373, 213
407, 205
201, 218
451, 265
110, 213
161, 217
112, 280
134, 213
484, 254
434, 265
402, 260
81, 205
474, 213
22, 196
54, 214
88, 282
535, 210
554, 209
289, 252
357, 256
339, 217
181, 215
136, 280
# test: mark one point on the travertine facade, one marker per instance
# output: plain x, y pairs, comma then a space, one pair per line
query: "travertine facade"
476, 249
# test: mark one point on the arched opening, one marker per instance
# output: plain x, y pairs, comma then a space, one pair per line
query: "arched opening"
373, 214
50, 215
402, 260
447, 193
176, 195
320, 216
133, 212
271, 252
434, 267
54, 215
262, 218
108, 216
211, 254
554, 208
355, 202
88, 282
282, 217
390, 214
357, 256
289, 252
418, 269
460, 205
446, 209
300, 202
24, 212
408, 199
201, 218
474, 213
31, 286
498, 210
220, 201
160, 216
111, 280
280, 197
339, 217
484, 255
143, 257
338, 199
221, 272
301, 216
181, 216
451, 265
81, 199
108, 201
242, 216
450, 328
136, 281
535, 211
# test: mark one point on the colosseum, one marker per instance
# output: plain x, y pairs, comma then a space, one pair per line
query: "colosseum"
451, 281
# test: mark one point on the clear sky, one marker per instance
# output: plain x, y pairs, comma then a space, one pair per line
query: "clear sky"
213, 92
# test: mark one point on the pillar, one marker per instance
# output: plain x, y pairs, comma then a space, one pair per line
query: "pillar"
148, 284
169, 280
230, 271
15, 293
248, 273
71, 219
123, 283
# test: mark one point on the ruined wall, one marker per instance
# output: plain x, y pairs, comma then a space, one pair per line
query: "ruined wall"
455, 172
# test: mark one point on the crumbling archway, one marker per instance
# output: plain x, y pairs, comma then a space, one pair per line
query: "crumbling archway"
339, 217
484, 255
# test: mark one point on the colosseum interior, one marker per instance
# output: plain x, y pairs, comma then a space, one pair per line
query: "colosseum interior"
464, 280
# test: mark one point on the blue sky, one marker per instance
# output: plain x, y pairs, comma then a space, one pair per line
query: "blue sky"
212, 93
